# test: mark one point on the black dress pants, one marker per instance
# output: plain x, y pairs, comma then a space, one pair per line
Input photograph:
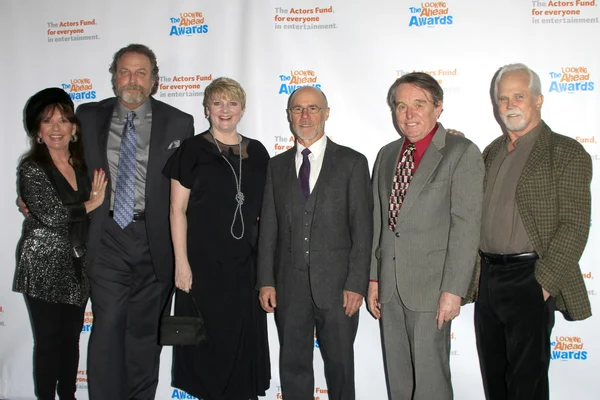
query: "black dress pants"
513, 324
127, 301
56, 331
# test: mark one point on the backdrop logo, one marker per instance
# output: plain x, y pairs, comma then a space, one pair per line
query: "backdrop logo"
183, 85
564, 12
430, 14
297, 79
571, 80
88, 322
80, 89
304, 18
447, 77
71, 30
180, 394
82, 380
319, 391
589, 275
565, 348
283, 143
188, 24
453, 352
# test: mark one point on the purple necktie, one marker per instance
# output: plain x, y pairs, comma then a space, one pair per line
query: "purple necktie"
304, 174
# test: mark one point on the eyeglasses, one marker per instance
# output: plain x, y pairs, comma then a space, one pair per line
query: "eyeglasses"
300, 110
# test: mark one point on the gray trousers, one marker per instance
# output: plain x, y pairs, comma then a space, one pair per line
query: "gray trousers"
416, 353
297, 319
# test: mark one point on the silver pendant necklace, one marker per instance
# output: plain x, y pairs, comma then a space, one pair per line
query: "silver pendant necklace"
239, 196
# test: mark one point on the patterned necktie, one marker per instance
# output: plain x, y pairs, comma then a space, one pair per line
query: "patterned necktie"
402, 178
304, 174
125, 192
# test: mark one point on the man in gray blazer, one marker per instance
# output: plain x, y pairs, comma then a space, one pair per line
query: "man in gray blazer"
314, 250
428, 188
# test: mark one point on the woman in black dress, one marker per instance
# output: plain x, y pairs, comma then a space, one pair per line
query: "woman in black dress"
217, 181
54, 184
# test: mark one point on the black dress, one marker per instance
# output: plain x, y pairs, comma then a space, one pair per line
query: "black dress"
234, 363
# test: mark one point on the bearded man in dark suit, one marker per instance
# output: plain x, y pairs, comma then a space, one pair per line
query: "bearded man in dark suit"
130, 255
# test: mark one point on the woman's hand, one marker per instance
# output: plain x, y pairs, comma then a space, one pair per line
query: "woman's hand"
183, 276
97, 194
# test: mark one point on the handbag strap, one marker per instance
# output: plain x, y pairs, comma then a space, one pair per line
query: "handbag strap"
168, 306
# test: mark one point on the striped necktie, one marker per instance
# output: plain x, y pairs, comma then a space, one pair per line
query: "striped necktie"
125, 191
404, 171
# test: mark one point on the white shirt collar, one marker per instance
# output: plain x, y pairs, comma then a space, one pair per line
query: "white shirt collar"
316, 149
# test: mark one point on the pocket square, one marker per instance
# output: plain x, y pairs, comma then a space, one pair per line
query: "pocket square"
174, 144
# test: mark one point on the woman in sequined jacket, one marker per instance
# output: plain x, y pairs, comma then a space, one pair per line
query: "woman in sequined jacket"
54, 184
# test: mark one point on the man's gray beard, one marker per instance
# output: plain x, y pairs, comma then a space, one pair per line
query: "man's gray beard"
130, 97
514, 126
306, 138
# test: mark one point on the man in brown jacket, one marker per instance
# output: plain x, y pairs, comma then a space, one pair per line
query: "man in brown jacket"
535, 224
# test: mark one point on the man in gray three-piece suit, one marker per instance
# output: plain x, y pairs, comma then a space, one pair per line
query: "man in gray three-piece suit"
314, 250
428, 189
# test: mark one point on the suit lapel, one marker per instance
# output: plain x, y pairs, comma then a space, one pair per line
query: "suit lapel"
389, 165
157, 139
105, 114
329, 159
538, 155
289, 180
427, 166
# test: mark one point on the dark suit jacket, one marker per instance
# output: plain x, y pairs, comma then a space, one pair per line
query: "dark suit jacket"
341, 227
168, 125
554, 200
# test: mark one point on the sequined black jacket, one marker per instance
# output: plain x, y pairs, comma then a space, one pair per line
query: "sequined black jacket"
46, 268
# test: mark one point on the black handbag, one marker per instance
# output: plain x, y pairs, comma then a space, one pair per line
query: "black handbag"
182, 331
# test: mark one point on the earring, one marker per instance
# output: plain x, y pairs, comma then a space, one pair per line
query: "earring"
74, 138
39, 140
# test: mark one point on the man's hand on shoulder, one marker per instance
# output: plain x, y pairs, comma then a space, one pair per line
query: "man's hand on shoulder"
22, 207
352, 302
268, 298
455, 132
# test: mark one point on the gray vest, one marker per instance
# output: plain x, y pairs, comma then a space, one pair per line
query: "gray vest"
302, 218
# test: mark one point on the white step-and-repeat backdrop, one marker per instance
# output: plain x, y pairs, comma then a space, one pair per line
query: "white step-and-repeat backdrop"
353, 51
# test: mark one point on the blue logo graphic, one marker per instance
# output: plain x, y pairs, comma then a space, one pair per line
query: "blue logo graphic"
180, 394
430, 14
566, 348
297, 79
188, 24
571, 80
79, 89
